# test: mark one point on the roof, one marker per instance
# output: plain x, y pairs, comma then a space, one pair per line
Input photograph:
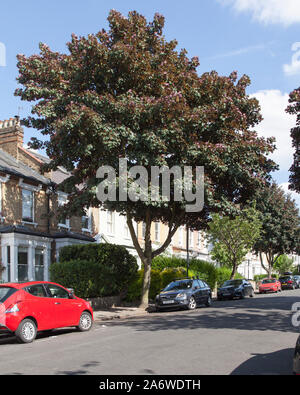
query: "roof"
10, 165
22, 230
58, 175
58, 235
72, 235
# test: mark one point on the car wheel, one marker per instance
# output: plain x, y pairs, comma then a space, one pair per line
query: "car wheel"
26, 331
192, 303
219, 298
85, 322
208, 302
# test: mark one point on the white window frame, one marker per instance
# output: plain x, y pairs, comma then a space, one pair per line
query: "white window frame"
32, 189
89, 218
157, 232
62, 199
110, 225
3, 180
180, 236
199, 240
191, 239
32, 207
126, 229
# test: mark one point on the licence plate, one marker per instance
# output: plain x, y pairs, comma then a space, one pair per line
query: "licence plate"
168, 301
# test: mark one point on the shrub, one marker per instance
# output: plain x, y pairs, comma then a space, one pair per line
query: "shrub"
197, 267
159, 280
95, 270
224, 274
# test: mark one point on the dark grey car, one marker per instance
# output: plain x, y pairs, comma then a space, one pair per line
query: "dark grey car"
184, 293
297, 279
235, 289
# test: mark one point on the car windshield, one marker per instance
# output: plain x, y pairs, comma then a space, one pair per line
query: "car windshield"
232, 283
286, 278
176, 285
6, 292
268, 281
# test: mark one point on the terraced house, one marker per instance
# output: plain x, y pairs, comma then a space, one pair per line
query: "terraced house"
31, 232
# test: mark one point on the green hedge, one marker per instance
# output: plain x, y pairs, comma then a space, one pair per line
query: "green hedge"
159, 280
95, 270
197, 267
224, 274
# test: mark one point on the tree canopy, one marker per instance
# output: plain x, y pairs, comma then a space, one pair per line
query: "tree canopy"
233, 238
294, 109
280, 220
128, 93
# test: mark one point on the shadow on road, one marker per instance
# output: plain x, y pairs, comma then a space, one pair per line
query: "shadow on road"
260, 314
274, 363
11, 339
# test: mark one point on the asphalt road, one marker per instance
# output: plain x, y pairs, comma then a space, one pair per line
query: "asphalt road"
250, 336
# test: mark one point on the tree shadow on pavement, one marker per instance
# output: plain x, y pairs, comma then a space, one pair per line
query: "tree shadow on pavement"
260, 314
274, 363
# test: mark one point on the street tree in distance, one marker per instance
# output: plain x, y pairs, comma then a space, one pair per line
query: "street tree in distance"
128, 93
280, 220
284, 264
294, 109
233, 238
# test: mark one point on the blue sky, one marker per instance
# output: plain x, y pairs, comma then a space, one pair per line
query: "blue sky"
260, 38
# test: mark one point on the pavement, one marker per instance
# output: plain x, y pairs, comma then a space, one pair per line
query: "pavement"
115, 313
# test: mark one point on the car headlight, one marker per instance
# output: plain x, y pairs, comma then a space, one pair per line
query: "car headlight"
181, 296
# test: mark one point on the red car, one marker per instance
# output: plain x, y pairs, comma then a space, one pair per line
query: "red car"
269, 285
26, 308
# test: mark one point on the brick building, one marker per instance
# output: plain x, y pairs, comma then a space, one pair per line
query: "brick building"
31, 232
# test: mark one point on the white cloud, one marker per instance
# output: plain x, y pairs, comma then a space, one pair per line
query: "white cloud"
277, 123
240, 51
294, 67
284, 12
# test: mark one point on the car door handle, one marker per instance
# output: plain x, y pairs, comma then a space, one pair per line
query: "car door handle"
57, 303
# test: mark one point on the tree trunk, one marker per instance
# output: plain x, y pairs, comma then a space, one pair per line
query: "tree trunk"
234, 269
146, 284
147, 254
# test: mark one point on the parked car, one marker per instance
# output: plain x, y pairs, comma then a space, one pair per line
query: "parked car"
235, 289
27, 308
269, 285
296, 364
184, 293
297, 279
288, 282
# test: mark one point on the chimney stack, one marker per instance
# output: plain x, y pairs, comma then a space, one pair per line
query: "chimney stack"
11, 136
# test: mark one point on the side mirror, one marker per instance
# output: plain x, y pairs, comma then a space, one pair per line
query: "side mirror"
71, 293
